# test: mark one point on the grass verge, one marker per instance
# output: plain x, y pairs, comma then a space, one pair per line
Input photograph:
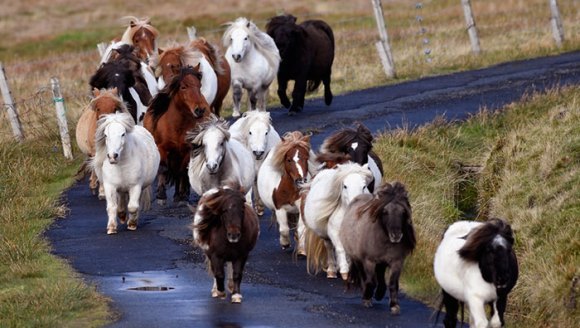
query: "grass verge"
521, 164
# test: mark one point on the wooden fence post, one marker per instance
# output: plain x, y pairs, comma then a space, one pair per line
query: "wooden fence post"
61, 117
10, 106
191, 33
557, 28
383, 47
471, 29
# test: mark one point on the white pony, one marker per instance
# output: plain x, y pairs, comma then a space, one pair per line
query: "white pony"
254, 60
216, 159
325, 201
126, 161
476, 264
255, 131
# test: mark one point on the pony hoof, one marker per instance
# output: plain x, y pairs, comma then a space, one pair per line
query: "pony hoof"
331, 275
367, 303
344, 276
395, 310
291, 113
94, 191
285, 247
161, 202
301, 252
237, 298
132, 226
111, 231
218, 294
235, 115
102, 197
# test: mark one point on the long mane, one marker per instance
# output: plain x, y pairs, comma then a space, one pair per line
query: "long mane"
134, 24
262, 41
480, 237
160, 103
187, 54
210, 209
340, 140
213, 54
196, 136
396, 194
290, 140
123, 118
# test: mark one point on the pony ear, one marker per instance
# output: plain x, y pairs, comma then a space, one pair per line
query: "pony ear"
160, 51
132, 24
115, 91
96, 92
306, 138
248, 25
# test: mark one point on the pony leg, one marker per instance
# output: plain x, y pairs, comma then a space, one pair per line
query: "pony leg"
258, 205
161, 183
477, 313
122, 207
282, 85
238, 269
327, 91
380, 270
111, 196
300, 230
501, 305
253, 99
369, 284
341, 257
237, 97
283, 228
495, 321
217, 267
298, 96
261, 95
93, 182
451, 308
101, 192
330, 260
395, 272
133, 207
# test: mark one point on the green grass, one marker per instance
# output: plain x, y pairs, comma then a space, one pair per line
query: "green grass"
529, 165
37, 288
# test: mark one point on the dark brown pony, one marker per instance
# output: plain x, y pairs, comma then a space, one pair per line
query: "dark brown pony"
227, 229
307, 52
176, 109
377, 232
358, 143
171, 59
331, 160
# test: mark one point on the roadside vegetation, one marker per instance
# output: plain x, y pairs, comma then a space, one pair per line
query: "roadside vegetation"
521, 164
43, 39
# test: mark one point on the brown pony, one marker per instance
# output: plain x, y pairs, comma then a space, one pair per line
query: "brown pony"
176, 109
142, 35
105, 101
171, 59
377, 232
227, 229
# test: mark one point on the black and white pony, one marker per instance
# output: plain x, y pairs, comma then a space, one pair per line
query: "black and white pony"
476, 264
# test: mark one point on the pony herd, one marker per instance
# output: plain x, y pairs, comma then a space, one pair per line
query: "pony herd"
155, 115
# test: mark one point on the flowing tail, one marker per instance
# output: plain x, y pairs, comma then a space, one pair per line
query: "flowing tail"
315, 252
145, 200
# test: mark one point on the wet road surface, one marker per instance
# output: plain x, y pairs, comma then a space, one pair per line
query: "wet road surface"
156, 278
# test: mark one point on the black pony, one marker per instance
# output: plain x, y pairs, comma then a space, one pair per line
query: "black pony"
307, 52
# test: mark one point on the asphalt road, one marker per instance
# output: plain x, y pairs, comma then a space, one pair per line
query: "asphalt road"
133, 267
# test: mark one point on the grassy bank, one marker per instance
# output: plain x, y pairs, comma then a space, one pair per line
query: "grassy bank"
521, 164
37, 288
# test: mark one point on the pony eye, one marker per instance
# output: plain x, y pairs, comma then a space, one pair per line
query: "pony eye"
266, 132
344, 187
250, 132
246, 38
123, 134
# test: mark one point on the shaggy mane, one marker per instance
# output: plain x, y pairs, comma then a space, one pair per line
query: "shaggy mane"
211, 205
124, 119
196, 136
138, 23
339, 141
213, 54
480, 237
262, 41
290, 140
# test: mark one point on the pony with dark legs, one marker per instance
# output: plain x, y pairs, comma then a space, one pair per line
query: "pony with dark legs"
105, 101
175, 110
216, 159
357, 143
226, 228
215, 69
377, 233
476, 264
282, 173
254, 59
307, 52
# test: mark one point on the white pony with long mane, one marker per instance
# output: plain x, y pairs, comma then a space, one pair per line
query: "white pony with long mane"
126, 162
216, 159
256, 132
254, 60
325, 201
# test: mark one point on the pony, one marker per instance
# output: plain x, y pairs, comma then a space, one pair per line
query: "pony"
256, 132
126, 161
226, 229
377, 232
475, 264
358, 144
105, 101
176, 109
284, 169
324, 203
307, 52
215, 70
254, 60
216, 159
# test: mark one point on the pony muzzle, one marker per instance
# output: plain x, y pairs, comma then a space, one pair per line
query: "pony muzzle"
198, 112
113, 158
237, 57
212, 167
234, 237
258, 154
395, 237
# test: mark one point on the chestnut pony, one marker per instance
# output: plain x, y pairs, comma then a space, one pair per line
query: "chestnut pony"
176, 109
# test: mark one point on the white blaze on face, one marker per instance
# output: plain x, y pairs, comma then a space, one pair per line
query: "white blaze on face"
354, 145
500, 241
239, 43
298, 167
